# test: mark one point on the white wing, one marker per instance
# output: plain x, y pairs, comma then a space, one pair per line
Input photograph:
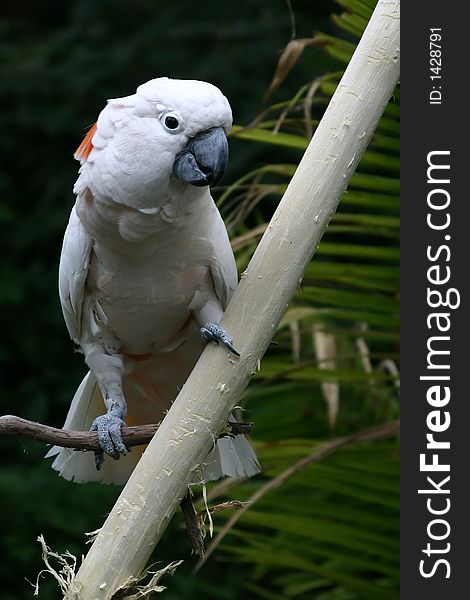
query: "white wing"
73, 271
222, 265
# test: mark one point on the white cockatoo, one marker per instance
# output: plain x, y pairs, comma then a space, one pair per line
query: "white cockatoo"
147, 269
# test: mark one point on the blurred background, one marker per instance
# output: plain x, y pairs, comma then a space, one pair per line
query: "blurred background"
330, 531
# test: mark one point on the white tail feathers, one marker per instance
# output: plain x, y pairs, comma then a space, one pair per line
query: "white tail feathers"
79, 466
233, 457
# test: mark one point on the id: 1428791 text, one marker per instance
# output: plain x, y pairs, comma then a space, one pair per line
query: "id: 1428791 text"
435, 65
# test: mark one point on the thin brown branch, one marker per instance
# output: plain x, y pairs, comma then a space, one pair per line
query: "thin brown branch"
88, 440
194, 525
233, 428
81, 440
194, 520
229, 505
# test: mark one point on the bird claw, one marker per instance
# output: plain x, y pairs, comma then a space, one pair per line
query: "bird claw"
213, 332
108, 428
99, 459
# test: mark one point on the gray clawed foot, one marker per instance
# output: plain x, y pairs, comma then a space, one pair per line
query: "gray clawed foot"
213, 332
108, 427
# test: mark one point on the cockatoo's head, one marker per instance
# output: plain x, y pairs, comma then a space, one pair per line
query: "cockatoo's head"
170, 133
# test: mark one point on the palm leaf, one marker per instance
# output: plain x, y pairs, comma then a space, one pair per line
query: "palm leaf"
330, 531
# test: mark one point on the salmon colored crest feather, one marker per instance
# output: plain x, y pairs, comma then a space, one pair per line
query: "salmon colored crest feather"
86, 146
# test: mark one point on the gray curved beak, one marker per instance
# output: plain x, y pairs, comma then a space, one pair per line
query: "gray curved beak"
204, 158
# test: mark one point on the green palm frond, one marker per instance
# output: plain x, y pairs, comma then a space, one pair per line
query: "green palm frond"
331, 528
329, 532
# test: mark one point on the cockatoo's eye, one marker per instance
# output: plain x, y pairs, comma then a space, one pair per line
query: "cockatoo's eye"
171, 123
